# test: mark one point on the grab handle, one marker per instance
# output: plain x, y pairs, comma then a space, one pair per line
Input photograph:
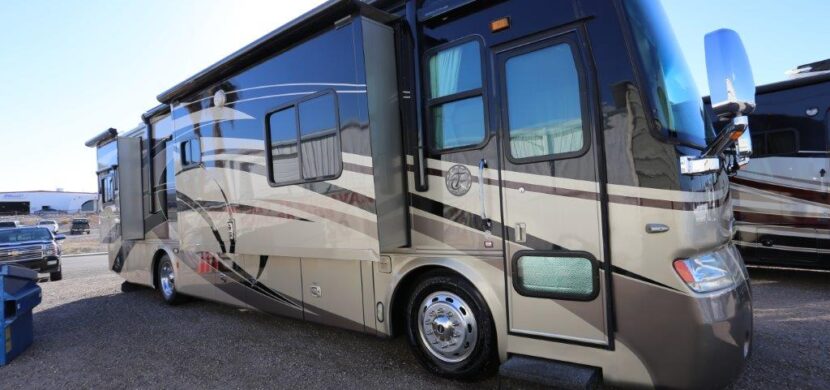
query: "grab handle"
486, 222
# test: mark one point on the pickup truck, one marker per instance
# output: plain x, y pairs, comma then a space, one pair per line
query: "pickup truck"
32, 247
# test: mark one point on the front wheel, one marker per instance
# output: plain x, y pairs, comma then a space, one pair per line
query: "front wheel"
55, 276
167, 281
450, 329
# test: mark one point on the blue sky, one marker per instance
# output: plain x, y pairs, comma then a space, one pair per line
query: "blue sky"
70, 69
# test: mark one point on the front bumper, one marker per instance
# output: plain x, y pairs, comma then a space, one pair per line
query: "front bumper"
686, 340
46, 264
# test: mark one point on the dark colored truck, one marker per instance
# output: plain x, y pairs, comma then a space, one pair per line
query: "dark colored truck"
34, 247
79, 226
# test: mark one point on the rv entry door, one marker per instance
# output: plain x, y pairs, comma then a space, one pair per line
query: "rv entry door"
550, 193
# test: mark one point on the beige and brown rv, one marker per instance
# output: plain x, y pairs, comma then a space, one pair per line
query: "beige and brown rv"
527, 186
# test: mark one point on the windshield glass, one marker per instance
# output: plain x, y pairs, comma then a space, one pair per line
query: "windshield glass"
672, 92
21, 235
46, 222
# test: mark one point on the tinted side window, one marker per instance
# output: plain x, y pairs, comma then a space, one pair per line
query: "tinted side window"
191, 152
285, 158
782, 142
304, 141
544, 103
775, 143
319, 145
456, 101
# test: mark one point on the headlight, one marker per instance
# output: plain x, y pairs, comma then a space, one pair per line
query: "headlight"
711, 271
50, 250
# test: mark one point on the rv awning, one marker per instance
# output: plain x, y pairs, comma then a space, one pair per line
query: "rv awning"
106, 135
309, 23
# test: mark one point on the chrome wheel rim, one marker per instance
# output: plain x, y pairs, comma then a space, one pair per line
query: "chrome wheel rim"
447, 327
167, 279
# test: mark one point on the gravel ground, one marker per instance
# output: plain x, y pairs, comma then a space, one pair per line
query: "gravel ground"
88, 334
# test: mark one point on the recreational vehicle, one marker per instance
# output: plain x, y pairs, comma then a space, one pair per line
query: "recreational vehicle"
781, 199
523, 186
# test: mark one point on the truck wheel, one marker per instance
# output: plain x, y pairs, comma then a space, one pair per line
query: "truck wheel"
450, 329
55, 276
167, 281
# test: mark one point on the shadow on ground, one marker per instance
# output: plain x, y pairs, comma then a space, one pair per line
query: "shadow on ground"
134, 340
103, 338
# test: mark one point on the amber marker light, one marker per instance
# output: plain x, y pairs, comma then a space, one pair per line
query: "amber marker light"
500, 24
734, 136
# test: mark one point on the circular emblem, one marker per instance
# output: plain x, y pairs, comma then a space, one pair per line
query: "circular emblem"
459, 180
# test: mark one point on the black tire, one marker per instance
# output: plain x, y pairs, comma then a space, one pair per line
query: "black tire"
482, 358
55, 276
170, 295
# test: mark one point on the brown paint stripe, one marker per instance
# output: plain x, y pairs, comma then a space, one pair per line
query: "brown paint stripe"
782, 220
572, 193
798, 193
358, 168
361, 225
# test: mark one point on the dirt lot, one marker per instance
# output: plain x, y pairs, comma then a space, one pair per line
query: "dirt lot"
88, 334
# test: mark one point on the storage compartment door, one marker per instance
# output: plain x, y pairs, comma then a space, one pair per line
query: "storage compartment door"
129, 189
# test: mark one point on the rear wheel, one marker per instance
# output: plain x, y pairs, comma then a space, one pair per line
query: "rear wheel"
450, 329
55, 276
167, 281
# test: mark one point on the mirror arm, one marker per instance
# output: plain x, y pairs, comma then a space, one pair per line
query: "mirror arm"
737, 126
711, 158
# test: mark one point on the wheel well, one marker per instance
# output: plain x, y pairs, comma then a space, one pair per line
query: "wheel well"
404, 289
156, 257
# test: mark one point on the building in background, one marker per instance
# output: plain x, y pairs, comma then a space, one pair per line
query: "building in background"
29, 202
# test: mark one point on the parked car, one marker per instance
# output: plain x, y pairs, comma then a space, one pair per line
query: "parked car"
79, 226
33, 247
49, 223
9, 224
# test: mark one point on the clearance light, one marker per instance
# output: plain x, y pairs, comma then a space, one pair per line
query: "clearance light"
500, 24
710, 272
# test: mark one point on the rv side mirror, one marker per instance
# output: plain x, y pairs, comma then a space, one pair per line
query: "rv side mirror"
732, 92
731, 85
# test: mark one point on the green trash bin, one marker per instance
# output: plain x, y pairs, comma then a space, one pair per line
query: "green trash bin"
19, 294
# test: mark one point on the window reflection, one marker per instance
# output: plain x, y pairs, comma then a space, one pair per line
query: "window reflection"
318, 131
544, 104
284, 156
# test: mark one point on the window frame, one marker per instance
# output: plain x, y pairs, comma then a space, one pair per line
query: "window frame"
569, 39
431, 103
182, 155
296, 105
514, 264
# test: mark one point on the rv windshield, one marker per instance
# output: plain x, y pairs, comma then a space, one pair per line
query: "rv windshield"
669, 85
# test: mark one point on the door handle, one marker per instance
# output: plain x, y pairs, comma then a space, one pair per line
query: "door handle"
486, 222
521, 232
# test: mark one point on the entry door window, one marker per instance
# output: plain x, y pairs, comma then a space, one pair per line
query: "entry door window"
456, 101
544, 104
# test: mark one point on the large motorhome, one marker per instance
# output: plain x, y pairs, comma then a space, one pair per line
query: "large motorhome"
781, 199
516, 184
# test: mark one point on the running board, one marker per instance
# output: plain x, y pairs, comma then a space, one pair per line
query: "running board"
522, 372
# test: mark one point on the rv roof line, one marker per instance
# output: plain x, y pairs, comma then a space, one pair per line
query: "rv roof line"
160, 109
283, 37
104, 136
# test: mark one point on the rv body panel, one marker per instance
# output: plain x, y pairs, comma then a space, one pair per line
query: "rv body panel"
311, 175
